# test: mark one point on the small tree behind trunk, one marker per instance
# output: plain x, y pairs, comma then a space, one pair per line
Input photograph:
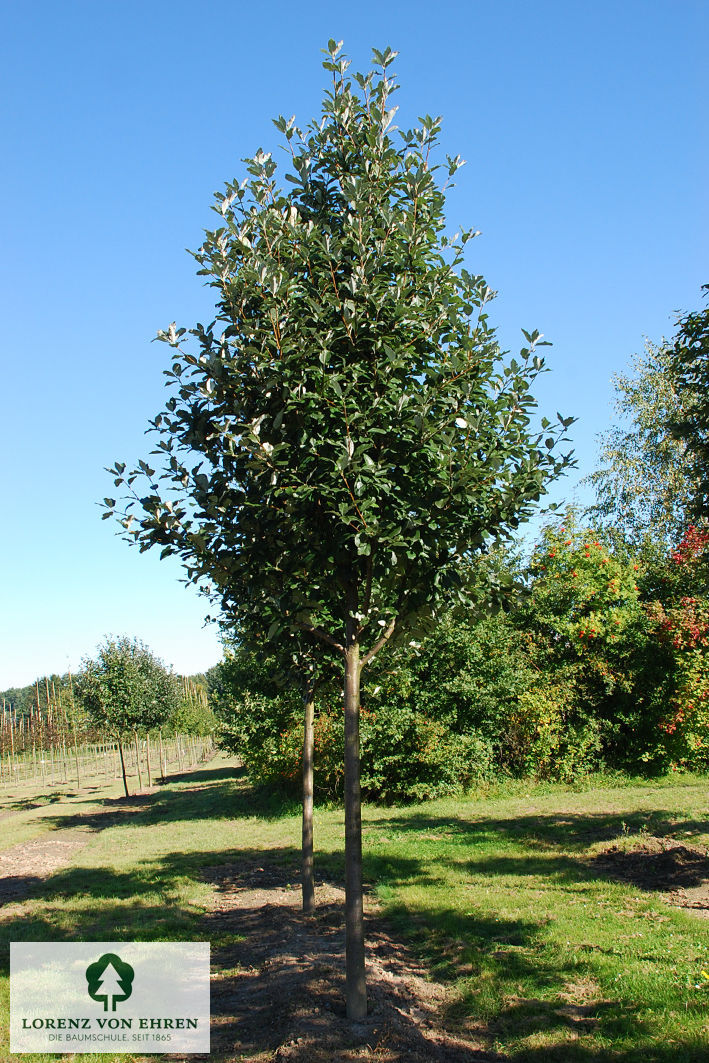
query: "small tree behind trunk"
123, 765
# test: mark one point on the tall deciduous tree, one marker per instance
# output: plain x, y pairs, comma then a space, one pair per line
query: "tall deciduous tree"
347, 429
654, 474
689, 370
645, 484
125, 688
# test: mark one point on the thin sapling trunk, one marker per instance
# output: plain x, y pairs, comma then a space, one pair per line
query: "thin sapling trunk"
308, 747
147, 758
137, 760
123, 765
356, 989
162, 758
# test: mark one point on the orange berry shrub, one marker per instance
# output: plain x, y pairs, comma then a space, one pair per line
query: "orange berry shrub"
682, 625
584, 595
588, 634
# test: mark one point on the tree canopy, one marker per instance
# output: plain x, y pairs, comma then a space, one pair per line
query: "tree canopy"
125, 687
654, 474
347, 430
689, 367
643, 486
351, 420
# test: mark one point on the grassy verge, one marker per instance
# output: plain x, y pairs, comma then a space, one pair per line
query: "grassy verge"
23, 818
139, 875
502, 900
497, 894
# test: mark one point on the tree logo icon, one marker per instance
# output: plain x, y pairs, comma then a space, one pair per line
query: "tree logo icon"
110, 980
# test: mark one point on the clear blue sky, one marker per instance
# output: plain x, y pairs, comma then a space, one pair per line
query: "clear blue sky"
584, 127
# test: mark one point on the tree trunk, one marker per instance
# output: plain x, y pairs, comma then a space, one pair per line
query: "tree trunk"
162, 758
308, 742
356, 989
123, 765
137, 760
76, 755
147, 757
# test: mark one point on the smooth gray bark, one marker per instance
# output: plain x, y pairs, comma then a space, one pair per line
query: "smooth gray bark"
356, 989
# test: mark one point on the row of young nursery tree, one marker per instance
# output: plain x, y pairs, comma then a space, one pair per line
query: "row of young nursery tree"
122, 695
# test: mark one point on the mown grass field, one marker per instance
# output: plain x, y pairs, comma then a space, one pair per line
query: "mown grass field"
543, 954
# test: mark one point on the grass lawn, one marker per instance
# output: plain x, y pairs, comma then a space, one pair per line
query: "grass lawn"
558, 961
543, 954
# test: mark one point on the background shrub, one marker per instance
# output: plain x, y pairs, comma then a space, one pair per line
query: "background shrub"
601, 662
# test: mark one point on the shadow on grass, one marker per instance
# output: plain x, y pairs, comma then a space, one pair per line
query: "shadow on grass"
280, 976
225, 793
203, 794
573, 831
277, 975
27, 804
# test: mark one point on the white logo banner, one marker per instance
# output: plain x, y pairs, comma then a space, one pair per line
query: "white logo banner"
109, 996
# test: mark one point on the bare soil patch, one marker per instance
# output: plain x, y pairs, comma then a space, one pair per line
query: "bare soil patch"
677, 870
27, 864
278, 991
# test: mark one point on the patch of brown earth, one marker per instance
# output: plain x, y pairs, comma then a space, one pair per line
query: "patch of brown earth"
278, 990
27, 864
581, 1001
678, 870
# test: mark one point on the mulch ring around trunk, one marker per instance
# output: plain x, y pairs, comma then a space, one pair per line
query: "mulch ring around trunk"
278, 982
678, 870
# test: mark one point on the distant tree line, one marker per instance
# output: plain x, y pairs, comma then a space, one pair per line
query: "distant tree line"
47, 701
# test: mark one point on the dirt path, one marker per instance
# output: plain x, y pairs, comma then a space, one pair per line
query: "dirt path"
279, 993
27, 864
